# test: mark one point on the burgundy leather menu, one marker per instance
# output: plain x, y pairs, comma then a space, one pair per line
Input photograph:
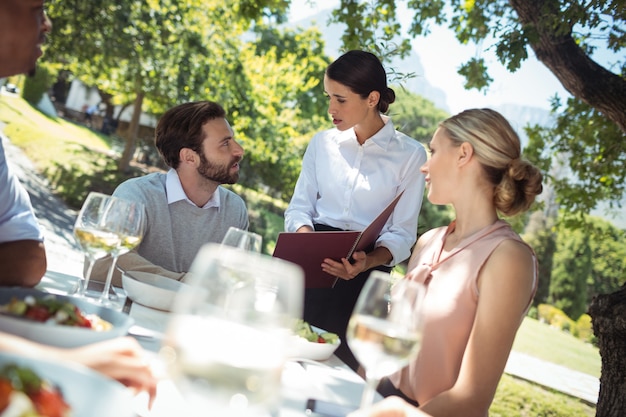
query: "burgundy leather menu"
309, 249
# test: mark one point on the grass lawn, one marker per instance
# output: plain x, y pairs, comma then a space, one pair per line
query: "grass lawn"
48, 141
544, 342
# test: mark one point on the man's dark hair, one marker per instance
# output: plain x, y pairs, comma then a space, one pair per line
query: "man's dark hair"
181, 127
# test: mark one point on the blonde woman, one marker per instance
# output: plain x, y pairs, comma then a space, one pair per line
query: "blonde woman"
481, 276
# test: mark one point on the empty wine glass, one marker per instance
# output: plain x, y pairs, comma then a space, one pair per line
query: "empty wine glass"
127, 220
243, 239
385, 329
92, 235
227, 340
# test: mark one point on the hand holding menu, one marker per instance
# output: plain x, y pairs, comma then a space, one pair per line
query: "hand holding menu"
310, 249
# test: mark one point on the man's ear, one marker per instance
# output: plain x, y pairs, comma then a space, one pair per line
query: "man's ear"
465, 153
187, 156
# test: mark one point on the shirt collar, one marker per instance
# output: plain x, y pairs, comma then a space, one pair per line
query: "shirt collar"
175, 192
380, 138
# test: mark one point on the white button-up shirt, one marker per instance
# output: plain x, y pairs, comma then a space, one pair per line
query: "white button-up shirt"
344, 184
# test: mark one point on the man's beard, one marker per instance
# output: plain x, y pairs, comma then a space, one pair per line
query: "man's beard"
216, 173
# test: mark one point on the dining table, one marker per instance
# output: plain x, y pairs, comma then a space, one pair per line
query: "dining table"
329, 380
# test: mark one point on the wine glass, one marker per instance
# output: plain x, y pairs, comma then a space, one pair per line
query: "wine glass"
385, 329
228, 338
127, 220
243, 239
94, 239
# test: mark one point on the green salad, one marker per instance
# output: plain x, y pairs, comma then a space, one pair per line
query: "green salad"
305, 331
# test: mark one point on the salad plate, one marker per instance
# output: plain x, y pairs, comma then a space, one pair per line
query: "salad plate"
50, 332
313, 343
86, 392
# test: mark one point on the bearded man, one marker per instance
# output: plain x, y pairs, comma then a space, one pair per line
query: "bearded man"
185, 207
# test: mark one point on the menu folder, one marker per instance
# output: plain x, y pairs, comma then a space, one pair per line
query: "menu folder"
310, 249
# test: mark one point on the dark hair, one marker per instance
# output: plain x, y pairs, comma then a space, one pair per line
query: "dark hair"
181, 127
497, 146
363, 73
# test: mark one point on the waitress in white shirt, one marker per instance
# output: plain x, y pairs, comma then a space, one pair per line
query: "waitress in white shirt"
349, 175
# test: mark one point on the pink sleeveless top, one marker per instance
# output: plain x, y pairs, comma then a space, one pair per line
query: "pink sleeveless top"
449, 307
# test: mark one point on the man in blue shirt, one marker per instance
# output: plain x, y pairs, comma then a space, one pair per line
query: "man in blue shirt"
23, 29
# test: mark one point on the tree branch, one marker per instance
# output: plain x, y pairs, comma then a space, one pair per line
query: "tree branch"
577, 72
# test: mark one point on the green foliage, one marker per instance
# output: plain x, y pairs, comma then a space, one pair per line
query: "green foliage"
572, 266
608, 249
584, 328
283, 103
95, 172
581, 328
541, 236
432, 216
475, 73
584, 156
36, 85
371, 26
554, 316
415, 115
266, 215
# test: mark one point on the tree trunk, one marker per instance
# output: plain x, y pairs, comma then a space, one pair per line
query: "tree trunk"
608, 316
577, 72
131, 135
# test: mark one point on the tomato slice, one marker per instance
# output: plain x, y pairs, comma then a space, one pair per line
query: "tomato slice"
49, 403
38, 313
5, 393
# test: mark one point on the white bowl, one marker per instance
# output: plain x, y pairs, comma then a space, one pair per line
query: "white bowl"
88, 393
299, 347
151, 290
57, 334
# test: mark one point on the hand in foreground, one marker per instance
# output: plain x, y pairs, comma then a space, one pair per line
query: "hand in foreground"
345, 269
122, 359
390, 407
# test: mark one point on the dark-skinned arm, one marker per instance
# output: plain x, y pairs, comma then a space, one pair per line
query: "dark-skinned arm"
22, 263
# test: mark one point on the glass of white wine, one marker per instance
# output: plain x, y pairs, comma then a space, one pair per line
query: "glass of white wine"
243, 239
127, 220
92, 235
227, 340
385, 329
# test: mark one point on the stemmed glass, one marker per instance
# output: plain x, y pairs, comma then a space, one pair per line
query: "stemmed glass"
127, 220
385, 329
229, 334
243, 239
92, 235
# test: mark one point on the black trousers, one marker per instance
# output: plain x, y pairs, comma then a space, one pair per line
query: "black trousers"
387, 389
331, 308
